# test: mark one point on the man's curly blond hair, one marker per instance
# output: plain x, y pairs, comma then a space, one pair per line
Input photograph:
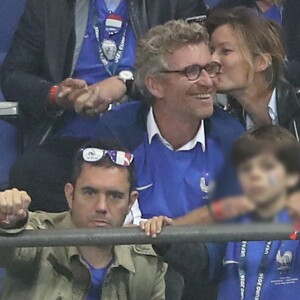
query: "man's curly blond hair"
160, 41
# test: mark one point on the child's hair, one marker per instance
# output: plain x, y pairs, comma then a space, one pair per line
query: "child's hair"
273, 139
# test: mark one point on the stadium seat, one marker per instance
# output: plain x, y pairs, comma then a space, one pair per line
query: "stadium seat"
10, 144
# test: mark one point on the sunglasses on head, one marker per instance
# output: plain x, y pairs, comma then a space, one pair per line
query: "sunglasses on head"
120, 158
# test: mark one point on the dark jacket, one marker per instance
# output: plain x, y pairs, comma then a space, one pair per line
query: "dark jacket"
288, 108
291, 33
42, 50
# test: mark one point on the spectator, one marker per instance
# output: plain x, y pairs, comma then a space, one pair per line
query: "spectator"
99, 196
175, 73
91, 41
55, 41
251, 54
268, 165
285, 13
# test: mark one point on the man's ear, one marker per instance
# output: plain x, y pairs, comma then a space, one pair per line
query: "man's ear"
69, 193
262, 62
293, 180
155, 87
132, 198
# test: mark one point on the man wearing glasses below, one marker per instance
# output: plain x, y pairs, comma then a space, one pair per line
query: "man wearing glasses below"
100, 195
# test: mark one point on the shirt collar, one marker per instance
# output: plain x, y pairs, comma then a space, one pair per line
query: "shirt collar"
153, 130
272, 107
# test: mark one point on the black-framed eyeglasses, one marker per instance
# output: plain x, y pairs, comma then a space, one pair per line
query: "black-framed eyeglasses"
193, 72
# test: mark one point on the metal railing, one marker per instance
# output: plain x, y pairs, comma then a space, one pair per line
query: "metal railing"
129, 235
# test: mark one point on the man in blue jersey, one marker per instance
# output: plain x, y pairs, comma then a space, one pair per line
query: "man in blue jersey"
68, 61
99, 196
268, 165
180, 140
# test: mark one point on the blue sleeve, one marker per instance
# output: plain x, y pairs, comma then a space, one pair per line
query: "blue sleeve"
124, 124
227, 183
225, 130
102, 131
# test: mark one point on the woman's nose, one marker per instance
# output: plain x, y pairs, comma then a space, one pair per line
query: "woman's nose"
216, 57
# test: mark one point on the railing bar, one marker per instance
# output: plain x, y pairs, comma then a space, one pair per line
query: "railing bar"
171, 234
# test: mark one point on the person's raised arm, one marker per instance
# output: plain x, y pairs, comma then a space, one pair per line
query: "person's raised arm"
13, 209
14, 218
218, 211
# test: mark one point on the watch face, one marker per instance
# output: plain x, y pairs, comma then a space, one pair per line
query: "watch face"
127, 75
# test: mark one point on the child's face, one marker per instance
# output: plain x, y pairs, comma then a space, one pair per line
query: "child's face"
263, 178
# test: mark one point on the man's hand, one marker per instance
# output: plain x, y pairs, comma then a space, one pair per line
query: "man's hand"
89, 100
293, 205
13, 206
100, 95
154, 225
69, 91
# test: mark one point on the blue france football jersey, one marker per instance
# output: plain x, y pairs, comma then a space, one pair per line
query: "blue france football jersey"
281, 273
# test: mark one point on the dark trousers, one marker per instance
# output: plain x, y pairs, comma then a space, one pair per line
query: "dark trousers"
174, 284
178, 289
